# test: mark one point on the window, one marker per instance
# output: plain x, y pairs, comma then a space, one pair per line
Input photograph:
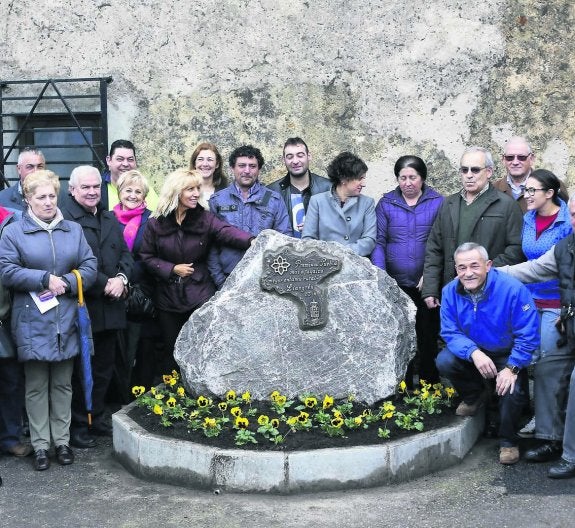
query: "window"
66, 120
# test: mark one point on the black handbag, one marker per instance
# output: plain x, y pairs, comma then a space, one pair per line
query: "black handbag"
138, 303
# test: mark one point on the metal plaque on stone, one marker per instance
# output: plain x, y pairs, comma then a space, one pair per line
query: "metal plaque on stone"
298, 274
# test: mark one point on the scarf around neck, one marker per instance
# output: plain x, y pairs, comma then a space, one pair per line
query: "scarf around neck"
132, 220
48, 226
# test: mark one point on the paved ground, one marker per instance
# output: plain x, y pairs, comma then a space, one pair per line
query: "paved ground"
97, 492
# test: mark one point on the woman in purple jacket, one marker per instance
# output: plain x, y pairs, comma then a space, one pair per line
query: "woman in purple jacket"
404, 219
174, 250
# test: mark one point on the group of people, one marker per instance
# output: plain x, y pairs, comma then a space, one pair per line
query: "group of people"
177, 248
452, 256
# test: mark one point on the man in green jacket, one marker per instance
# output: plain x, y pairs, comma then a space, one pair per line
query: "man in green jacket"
478, 213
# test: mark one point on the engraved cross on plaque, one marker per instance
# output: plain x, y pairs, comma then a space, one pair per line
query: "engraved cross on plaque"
298, 274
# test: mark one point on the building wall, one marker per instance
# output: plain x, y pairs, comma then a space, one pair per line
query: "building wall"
378, 77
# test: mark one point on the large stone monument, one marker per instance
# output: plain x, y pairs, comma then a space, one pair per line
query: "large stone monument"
300, 316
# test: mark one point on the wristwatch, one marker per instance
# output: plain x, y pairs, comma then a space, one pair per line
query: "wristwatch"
123, 277
513, 368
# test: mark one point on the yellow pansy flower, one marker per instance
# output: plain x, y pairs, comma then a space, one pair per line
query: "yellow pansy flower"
241, 422
209, 422
327, 402
303, 417
337, 422
202, 401
310, 402
138, 390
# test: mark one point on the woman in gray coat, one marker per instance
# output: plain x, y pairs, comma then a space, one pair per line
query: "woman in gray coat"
37, 255
342, 214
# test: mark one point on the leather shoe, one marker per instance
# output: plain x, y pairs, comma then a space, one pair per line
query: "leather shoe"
82, 439
562, 470
41, 460
20, 450
544, 453
101, 429
508, 455
470, 409
64, 455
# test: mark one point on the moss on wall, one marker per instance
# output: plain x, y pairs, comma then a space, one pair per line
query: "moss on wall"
530, 91
382, 79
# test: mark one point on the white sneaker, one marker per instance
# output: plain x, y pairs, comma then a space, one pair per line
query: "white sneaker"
529, 430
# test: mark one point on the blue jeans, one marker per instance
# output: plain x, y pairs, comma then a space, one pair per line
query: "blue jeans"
11, 402
470, 385
552, 372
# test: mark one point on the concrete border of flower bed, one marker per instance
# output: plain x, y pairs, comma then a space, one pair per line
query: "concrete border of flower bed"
161, 459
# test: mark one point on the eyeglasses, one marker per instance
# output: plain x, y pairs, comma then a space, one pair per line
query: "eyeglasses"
520, 157
531, 190
474, 170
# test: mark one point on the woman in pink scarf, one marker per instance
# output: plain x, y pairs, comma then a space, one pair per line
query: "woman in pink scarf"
132, 213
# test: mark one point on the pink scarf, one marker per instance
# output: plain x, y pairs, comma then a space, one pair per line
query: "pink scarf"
132, 219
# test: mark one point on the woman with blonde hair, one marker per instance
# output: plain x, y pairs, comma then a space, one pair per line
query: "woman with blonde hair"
37, 256
176, 244
133, 214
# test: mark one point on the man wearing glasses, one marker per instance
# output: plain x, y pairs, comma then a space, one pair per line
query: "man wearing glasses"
478, 213
518, 159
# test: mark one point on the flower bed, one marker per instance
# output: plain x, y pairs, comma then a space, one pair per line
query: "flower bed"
307, 422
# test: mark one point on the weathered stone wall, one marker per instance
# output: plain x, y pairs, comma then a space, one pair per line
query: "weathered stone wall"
379, 77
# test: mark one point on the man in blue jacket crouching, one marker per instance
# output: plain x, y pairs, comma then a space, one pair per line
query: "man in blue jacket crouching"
490, 326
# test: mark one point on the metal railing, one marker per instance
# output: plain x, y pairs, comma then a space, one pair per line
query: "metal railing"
26, 102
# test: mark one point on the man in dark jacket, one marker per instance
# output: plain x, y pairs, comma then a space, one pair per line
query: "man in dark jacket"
105, 300
518, 159
11, 375
478, 213
299, 184
122, 158
29, 160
